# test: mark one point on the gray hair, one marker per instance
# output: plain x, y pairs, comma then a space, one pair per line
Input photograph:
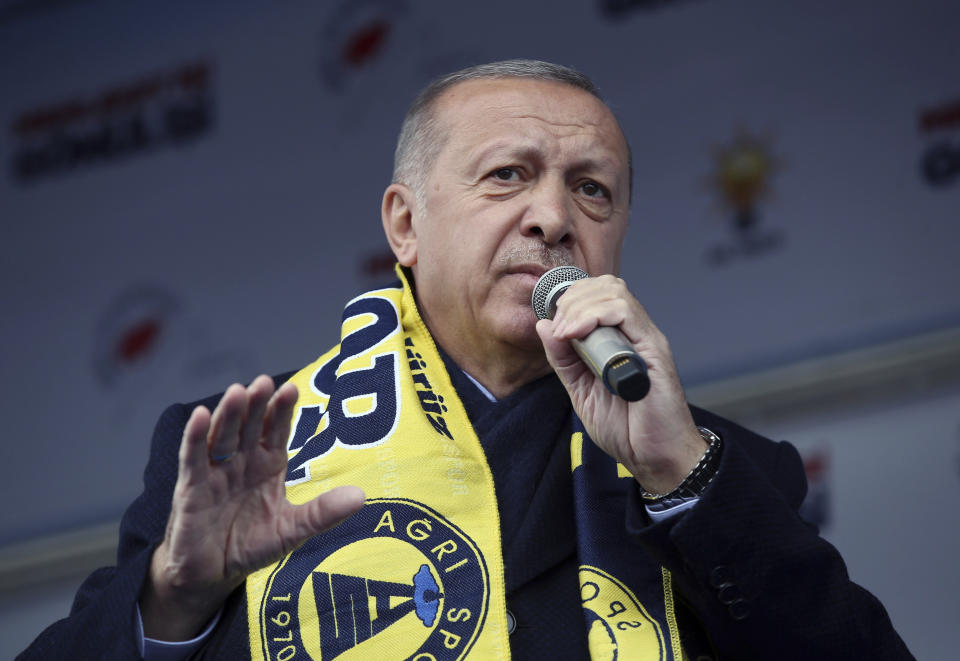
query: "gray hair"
420, 138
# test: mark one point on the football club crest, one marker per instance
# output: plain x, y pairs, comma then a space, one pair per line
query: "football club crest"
396, 580
617, 623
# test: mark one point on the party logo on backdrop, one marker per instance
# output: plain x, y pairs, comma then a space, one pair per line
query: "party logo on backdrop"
741, 181
940, 161
170, 107
146, 340
356, 36
131, 331
374, 53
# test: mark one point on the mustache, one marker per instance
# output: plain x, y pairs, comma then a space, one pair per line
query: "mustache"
534, 253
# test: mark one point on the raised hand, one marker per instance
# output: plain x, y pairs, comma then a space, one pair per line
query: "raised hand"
654, 438
230, 515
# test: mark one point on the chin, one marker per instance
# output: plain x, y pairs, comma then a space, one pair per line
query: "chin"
519, 330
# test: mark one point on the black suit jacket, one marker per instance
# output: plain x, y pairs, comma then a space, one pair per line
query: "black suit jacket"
753, 580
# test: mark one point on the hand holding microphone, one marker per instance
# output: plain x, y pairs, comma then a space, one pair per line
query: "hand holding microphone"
605, 350
656, 439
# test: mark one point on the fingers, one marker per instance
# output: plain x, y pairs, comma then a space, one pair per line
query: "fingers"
606, 301
223, 437
258, 395
194, 460
246, 416
602, 301
276, 423
560, 354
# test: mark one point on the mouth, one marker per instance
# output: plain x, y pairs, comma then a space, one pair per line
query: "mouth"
534, 270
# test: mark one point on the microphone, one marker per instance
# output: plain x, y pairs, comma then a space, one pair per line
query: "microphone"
605, 349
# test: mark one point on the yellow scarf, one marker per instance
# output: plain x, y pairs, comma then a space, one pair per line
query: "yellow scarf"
418, 572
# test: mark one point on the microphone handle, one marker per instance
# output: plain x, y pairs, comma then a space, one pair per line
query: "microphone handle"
613, 359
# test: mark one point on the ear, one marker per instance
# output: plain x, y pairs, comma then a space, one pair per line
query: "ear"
397, 211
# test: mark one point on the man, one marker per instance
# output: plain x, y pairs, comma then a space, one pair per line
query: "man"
461, 416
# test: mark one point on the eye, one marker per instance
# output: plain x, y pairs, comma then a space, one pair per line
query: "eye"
593, 189
505, 174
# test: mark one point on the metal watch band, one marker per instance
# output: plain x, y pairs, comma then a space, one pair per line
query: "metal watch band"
699, 477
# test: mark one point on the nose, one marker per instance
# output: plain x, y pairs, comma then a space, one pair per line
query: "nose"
548, 215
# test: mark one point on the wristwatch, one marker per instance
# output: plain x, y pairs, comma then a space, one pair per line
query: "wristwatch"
698, 478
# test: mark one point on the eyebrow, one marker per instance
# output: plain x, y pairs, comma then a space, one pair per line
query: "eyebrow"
512, 149
507, 148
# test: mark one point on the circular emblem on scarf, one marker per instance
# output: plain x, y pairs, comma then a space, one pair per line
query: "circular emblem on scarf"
396, 580
618, 626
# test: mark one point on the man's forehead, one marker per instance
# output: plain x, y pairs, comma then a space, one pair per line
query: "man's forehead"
560, 106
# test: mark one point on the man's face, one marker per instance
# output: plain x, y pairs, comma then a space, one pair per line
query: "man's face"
531, 175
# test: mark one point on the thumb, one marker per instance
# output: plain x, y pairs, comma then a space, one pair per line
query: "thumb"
326, 510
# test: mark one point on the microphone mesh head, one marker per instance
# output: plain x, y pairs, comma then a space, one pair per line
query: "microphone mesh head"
549, 287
